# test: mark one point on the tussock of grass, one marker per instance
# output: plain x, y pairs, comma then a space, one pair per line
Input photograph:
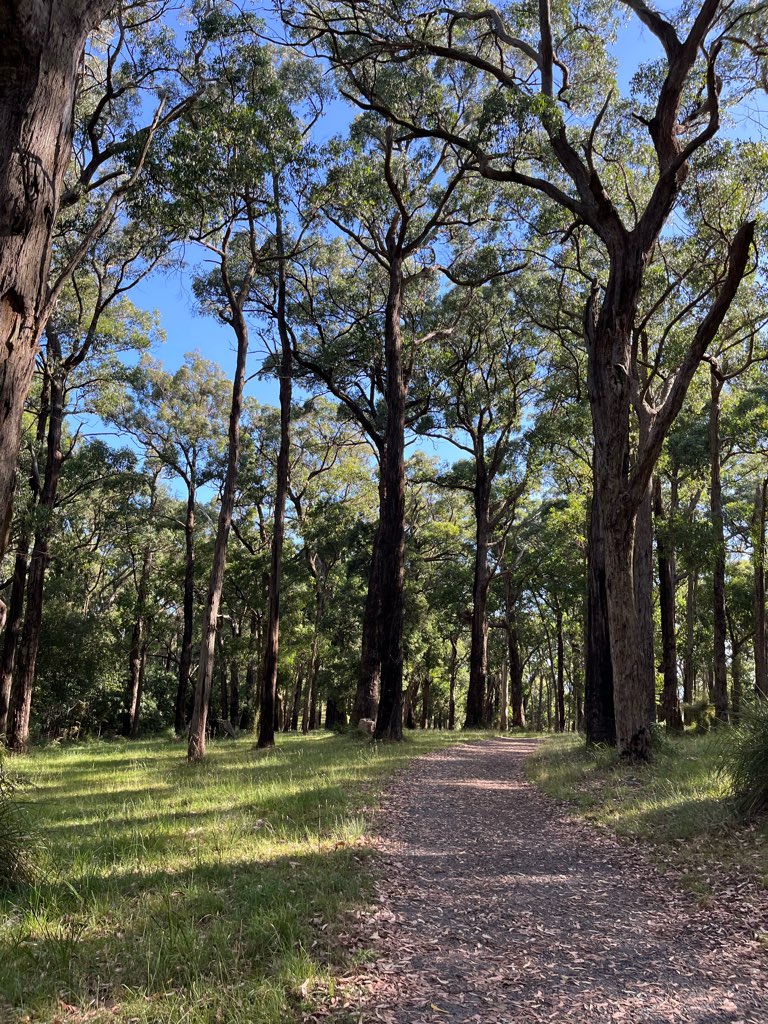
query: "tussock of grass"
172, 893
681, 802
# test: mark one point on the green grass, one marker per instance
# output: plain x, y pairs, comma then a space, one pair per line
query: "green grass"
680, 803
171, 893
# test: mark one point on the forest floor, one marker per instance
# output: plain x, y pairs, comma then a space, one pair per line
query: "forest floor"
496, 905
175, 894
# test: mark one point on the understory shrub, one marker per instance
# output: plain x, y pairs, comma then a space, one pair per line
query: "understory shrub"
746, 761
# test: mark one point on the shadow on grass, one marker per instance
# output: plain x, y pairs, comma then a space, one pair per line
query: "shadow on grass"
225, 924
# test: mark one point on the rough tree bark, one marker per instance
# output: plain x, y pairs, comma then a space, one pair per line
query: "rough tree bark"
478, 653
369, 681
643, 570
720, 625
667, 584
599, 717
390, 565
758, 558
41, 50
272, 638
453, 667
29, 642
689, 664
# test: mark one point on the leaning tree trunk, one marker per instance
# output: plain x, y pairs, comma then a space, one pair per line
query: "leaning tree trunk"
272, 639
758, 558
599, 717
391, 560
26, 664
185, 658
476, 717
666, 565
720, 626
42, 45
196, 747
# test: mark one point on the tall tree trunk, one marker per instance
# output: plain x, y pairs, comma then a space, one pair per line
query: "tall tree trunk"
196, 747
41, 51
513, 654
234, 692
720, 627
452, 672
504, 698
223, 688
24, 677
137, 656
689, 665
185, 659
476, 717
599, 717
389, 722
13, 622
758, 559
425, 696
272, 640
560, 670
369, 681
643, 570
737, 691
666, 565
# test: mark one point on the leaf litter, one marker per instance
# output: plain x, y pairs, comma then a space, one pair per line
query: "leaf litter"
494, 905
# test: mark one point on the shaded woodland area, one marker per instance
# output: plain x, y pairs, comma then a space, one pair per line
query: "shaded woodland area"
508, 269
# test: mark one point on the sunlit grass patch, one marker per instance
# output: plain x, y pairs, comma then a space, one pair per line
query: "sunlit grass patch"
203, 893
681, 802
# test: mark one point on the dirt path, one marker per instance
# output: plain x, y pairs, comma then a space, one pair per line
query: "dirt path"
507, 911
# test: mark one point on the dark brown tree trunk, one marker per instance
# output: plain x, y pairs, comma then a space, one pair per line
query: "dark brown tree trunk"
425, 696
689, 666
643, 571
389, 722
13, 623
369, 682
185, 659
504, 698
223, 688
234, 692
24, 677
476, 717
758, 558
737, 691
515, 661
560, 671
720, 626
667, 584
452, 672
42, 45
196, 747
598, 684
272, 641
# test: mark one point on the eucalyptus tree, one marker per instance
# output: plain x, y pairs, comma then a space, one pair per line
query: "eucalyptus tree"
224, 185
486, 370
546, 116
45, 76
92, 324
178, 419
396, 201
